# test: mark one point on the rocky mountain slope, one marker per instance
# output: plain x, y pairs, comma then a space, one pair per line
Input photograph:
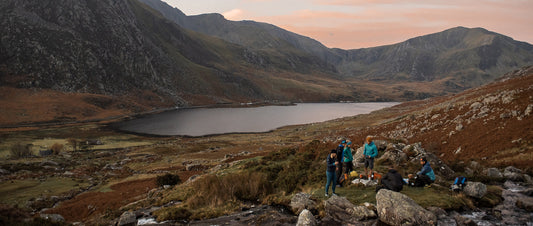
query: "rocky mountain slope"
456, 59
124, 48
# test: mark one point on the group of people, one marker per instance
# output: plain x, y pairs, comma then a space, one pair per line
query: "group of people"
340, 164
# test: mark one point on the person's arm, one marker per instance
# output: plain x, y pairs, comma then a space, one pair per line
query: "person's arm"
424, 170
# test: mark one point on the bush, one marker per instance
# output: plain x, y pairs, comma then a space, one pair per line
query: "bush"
173, 213
167, 179
56, 148
19, 150
212, 191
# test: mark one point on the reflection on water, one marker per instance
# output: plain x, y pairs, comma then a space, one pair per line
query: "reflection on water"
207, 121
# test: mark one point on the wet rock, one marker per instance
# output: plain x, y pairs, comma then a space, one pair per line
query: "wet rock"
302, 201
525, 203
306, 218
464, 221
128, 219
395, 208
475, 189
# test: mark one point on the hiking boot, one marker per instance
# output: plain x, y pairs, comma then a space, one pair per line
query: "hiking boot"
326, 194
334, 194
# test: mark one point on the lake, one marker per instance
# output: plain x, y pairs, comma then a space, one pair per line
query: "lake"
210, 121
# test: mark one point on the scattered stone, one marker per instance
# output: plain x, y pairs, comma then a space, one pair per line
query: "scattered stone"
395, 208
306, 218
302, 201
475, 189
53, 217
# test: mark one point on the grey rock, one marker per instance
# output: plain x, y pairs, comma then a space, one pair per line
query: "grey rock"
53, 217
395, 208
339, 209
513, 174
302, 201
128, 218
306, 218
475, 189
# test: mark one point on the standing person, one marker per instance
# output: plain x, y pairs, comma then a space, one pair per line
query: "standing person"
426, 176
347, 159
330, 171
392, 181
339, 151
371, 151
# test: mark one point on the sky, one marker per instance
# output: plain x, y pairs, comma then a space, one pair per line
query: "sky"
353, 24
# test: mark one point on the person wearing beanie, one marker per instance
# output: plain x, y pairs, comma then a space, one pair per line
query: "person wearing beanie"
370, 152
347, 159
330, 171
426, 176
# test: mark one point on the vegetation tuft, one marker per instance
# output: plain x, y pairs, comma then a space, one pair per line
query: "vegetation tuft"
19, 150
167, 179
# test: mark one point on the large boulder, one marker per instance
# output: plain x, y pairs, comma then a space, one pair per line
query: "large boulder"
475, 189
395, 208
306, 218
302, 201
340, 210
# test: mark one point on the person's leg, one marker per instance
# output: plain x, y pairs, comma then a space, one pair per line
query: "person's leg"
328, 176
371, 166
334, 179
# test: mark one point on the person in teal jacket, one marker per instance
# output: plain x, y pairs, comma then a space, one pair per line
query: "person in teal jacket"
347, 159
370, 152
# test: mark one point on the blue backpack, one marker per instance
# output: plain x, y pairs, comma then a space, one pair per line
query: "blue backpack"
459, 183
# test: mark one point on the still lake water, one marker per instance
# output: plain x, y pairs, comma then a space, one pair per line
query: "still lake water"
209, 121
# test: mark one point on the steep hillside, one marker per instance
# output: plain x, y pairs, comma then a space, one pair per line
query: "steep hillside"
492, 124
455, 59
120, 48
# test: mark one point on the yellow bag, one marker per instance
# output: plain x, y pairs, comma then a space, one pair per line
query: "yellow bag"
353, 174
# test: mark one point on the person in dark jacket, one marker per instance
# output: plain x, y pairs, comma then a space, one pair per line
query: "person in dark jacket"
339, 150
392, 181
330, 171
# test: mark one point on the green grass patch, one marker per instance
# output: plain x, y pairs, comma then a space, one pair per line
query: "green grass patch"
18, 192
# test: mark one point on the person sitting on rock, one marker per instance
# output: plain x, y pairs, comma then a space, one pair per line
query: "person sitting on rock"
426, 176
392, 181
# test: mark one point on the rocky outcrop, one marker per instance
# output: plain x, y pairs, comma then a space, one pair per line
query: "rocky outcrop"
128, 218
395, 208
302, 201
306, 218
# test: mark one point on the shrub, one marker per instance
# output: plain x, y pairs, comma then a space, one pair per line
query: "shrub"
56, 148
167, 179
173, 213
19, 150
212, 191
